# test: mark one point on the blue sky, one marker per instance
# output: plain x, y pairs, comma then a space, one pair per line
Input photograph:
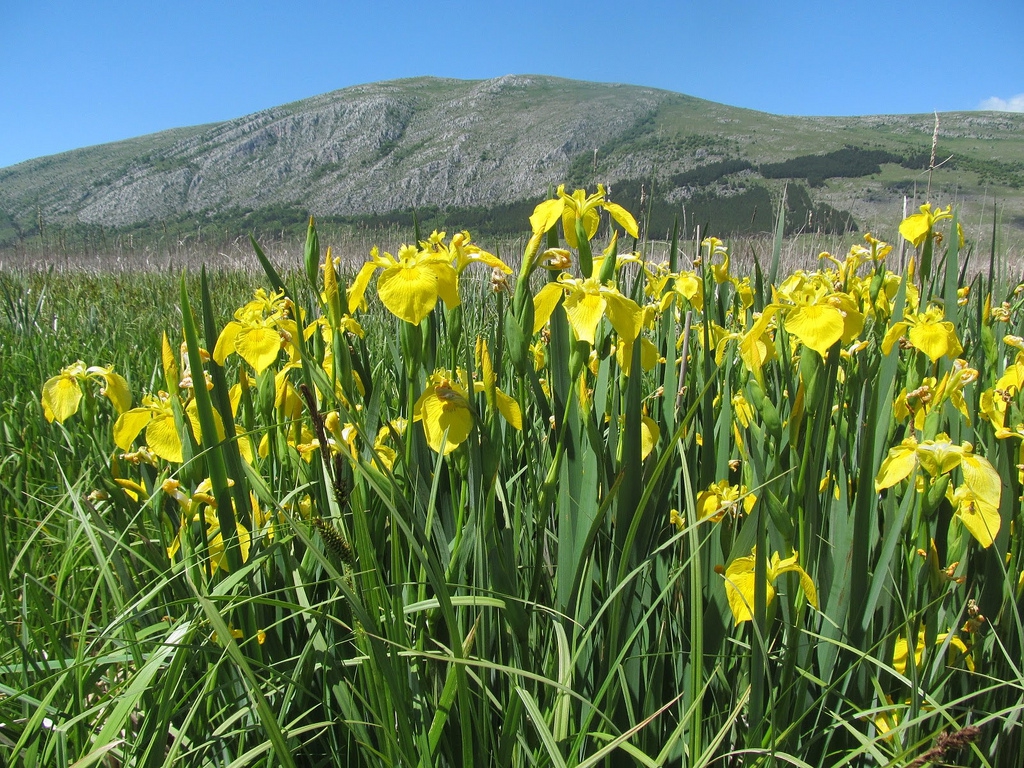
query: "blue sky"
80, 72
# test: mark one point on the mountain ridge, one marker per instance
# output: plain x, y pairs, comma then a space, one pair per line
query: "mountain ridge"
374, 149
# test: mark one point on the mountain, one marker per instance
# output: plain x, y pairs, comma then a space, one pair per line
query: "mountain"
486, 151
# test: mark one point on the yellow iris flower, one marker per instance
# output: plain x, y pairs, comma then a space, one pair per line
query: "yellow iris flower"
658, 279
346, 434
927, 331
976, 502
957, 650
716, 247
202, 499
260, 330
816, 314
62, 393
156, 416
757, 347
568, 208
410, 285
688, 285
932, 393
463, 252
740, 582
721, 498
445, 406
916, 227
994, 401
586, 302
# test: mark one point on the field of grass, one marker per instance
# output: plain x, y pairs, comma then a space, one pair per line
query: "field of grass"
671, 503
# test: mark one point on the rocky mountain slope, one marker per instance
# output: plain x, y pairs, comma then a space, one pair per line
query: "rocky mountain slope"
450, 145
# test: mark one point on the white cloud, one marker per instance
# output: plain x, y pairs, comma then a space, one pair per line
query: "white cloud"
1012, 104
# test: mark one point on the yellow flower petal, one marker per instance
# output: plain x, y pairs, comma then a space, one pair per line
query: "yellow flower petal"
625, 314
623, 218
940, 455
817, 326
893, 335
739, 588
509, 408
61, 396
544, 304
410, 289
128, 426
982, 478
444, 405
915, 228
897, 465
790, 565
546, 215
649, 355
935, 339
258, 346
650, 433
585, 308
225, 344
447, 284
901, 652
357, 291
115, 388
163, 438
977, 503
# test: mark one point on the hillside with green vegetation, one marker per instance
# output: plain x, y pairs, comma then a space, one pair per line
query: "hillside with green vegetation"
480, 154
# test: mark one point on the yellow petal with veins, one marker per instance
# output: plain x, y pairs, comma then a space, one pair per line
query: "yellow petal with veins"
163, 439
585, 309
625, 314
444, 406
259, 347
61, 396
940, 455
893, 335
225, 345
790, 565
978, 499
739, 588
623, 218
935, 339
408, 293
115, 388
817, 326
650, 433
509, 408
915, 228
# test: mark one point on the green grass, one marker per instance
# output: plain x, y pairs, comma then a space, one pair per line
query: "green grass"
525, 599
